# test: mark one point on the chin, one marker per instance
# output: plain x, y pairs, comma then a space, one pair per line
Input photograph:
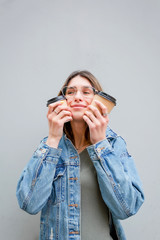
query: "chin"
78, 116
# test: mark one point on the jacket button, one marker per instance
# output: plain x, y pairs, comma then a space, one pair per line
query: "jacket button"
43, 150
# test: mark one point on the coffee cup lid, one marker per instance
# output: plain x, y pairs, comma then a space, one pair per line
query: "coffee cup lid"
107, 96
55, 99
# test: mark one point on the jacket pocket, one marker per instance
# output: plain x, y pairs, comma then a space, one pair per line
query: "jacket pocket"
59, 184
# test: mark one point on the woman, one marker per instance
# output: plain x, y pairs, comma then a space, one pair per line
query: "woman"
81, 176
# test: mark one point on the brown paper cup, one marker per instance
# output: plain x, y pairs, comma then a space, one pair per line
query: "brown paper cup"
106, 99
56, 99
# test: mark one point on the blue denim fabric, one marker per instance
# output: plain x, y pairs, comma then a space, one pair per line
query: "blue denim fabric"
50, 183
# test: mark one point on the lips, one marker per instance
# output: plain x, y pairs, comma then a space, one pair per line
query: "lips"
78, 106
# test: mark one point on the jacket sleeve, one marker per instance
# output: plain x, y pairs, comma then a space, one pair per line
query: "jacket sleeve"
35, 184
118, 179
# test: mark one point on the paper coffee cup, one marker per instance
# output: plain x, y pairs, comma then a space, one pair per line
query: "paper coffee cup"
106, 99
56, 99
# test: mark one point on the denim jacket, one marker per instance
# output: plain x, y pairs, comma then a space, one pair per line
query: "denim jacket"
50, 183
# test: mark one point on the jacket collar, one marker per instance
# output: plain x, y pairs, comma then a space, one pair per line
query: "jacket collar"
110, 134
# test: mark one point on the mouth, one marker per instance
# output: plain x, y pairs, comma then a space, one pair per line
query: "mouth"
78, 106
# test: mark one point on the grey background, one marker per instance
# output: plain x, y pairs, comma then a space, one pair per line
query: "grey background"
41, 43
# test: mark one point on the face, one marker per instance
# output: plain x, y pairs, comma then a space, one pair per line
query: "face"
79, 102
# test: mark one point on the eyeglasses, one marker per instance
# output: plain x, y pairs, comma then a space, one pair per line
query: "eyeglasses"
86, 92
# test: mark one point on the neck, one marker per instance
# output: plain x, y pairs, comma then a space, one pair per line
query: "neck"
79, 129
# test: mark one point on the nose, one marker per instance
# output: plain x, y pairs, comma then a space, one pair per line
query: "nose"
78, 95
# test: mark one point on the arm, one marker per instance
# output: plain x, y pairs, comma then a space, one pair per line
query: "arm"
117, 176
35, 184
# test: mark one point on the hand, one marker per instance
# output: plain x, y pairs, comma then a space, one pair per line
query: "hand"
57, 115
97, 122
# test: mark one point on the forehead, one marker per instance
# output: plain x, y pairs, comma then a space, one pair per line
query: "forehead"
79, 81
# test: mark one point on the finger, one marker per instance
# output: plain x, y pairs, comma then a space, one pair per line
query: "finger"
64, 113
56, 104
60, 108
57, 116
92, 115
66, 119
95, 111
88, 121
57, 108
52, 106
99, 122
103, 108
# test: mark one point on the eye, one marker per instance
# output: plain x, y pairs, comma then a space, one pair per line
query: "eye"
70, 91
87, 91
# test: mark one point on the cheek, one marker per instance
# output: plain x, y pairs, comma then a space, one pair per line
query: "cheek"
69, 102
89, 101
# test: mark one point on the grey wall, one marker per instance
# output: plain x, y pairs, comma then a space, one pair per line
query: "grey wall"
41, 42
